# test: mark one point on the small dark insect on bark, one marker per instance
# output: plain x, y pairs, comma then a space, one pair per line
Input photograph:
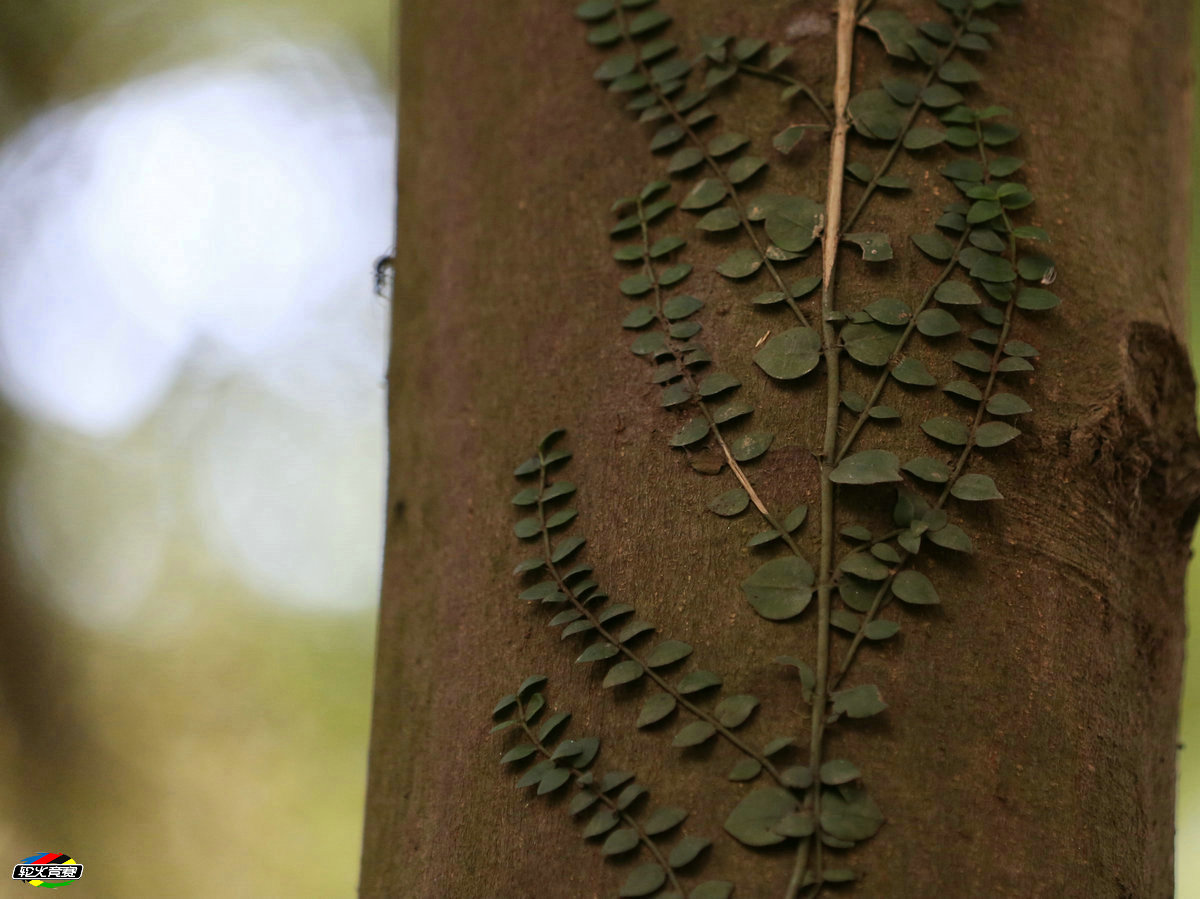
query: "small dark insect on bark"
385, 269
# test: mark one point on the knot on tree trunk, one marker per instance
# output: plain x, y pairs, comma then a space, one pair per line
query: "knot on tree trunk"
1143, 438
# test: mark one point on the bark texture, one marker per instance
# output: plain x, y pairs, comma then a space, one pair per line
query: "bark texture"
1029, 749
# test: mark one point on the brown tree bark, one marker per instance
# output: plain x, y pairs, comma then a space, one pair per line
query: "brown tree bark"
1029, 748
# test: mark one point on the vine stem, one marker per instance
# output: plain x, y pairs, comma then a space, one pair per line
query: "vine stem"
628, 820
581, 607
847, 22
963, 457
730, 188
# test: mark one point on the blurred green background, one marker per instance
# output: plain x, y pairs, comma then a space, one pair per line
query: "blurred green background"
192, 444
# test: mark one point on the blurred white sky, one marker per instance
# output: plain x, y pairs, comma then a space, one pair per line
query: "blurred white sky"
203, 235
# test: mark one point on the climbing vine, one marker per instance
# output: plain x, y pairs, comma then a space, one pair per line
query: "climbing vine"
840, 577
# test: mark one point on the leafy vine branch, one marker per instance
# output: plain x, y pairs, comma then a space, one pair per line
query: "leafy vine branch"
570, 762
921, 107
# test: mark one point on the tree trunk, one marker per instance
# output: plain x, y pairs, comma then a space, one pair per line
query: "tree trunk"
1028, 747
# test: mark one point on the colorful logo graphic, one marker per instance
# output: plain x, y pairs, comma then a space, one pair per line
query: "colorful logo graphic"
47, 869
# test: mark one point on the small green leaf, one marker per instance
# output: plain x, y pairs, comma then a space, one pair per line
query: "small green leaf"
795, 518
928, 469
623, 673
730, 503
778, 744
723, 218
934, 245
692, 432
751, 446
753, 819
741, 263
597, 652
638, 318
913, 587
763, 537
717, 383
664, 819
992, 268
643, 880
913, 371
527, 527
787, 139
559, 518
948, 430
668, 652
687, 158
745, 168
839, 771
552, 780
794, 223
1007, 404
666, 245
880, 629
894, 29
582, 801
889, 311
975, 488
995, 433
594, 10
693, 734
666, 136
707, 192
780, 589
791, 354
565, 547
862, 701
937, 323
797, 824
867, 467
630, 795
951, 536
686, 850
848, 813
874, 245
656, 708
695, 681
732, 711
956, 293
601, 822
681, 306
864, 566
869, 343
923, 138
958, 71
745, 769
1035, 299
620, 841
940, 96
518, 753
